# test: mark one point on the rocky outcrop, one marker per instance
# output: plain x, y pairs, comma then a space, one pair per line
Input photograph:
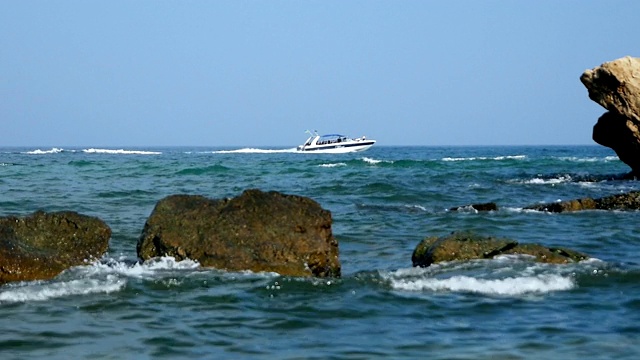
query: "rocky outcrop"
257, 231
615, 86
464, 246
42, 245
627, 201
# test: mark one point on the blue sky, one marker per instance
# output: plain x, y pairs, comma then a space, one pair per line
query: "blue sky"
259, 73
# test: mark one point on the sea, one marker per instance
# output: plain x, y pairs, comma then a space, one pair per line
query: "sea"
383, 202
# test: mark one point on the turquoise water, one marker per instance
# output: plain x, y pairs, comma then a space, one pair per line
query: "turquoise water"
383, 202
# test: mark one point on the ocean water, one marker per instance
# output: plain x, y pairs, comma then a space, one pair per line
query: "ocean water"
384, 202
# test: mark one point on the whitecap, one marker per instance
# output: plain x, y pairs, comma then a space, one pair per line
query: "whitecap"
40, 291
510, 286
120, 152
148, 269
589, 159
510, 157
497, 158
506, 275
43, 152
552, 181
105, 276
332, 165
375, 161
416, 207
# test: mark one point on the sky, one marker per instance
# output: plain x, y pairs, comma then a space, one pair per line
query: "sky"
259, 73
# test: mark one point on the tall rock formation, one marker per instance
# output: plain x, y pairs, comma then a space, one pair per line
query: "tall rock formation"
615, 86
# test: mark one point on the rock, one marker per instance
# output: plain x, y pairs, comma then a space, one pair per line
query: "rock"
615, 86
628, 201
490, 206
257, 231
547, 255
563, 206
464, 246
42, 245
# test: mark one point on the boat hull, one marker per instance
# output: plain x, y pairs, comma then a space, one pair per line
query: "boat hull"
338, 148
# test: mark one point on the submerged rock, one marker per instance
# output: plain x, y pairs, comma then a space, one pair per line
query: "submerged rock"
464, 246
42, 245
490, 206
615, 86
627, 201
257, 231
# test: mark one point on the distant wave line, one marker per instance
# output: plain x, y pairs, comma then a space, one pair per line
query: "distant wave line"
508, 157
42, 152
93, 151
120, 152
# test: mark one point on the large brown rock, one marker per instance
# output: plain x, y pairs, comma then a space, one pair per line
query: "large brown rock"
42, 245
615, 86
465, 246
257, 231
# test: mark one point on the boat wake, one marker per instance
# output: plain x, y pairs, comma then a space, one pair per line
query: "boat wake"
254, 151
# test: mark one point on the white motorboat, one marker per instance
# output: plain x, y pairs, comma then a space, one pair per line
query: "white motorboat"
335, 144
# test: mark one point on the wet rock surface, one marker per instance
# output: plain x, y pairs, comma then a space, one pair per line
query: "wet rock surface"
626, 201
256, 231
42, 245
465, 246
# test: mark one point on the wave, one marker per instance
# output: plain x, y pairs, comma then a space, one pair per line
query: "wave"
589, 159
120, 152
509, 286
394, 208
203, 170
476, 158
375, 162
99, 277
509, 275
40, 291
43, 152
554, 179
108, 276
548, 181
333, 165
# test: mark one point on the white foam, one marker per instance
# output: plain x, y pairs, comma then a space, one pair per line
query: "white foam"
507, 275
510, 157
374, 161
498, 158
43, 152
332, 165
590, 159
554, 181
120, 152
511, 286
416, 207
147, 269
40, 291
95, 278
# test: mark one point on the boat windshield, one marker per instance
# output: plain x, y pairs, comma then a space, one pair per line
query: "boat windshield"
332, 138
